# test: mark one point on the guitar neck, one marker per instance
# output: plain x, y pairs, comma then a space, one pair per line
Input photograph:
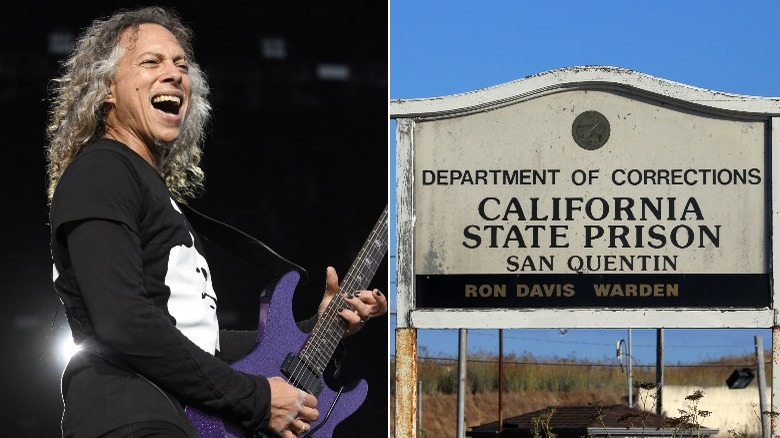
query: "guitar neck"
327, 333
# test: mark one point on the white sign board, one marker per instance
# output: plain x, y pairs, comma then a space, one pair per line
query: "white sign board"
605, 196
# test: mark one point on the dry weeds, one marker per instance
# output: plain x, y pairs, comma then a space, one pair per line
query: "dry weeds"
439, 410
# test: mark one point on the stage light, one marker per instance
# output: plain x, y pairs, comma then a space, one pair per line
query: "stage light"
68, 348
273, 48
333, 72
60, 42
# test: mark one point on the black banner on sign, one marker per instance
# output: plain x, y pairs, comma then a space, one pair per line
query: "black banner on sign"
614, 291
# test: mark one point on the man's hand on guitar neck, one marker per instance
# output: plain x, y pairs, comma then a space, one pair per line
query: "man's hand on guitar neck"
365, 304
292, 410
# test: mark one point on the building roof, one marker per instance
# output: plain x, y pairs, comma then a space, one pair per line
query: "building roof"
591, 420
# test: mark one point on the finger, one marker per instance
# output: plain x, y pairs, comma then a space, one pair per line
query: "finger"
361, 309
299, 427
350, 316
308, 414
298, 404
366, 297
331, 280
309, 400
380, 308
353, 322
375, 301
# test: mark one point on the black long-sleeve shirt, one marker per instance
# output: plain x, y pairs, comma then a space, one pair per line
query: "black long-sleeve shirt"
137, 291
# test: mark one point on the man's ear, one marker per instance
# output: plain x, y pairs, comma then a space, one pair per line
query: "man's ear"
110, 98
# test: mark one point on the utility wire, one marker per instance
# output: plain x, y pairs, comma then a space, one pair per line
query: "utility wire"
476, 332
584, 364
610, 344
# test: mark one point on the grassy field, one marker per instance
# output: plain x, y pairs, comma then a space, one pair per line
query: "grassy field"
528, 373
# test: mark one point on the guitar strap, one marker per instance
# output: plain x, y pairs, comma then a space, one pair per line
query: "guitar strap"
241, 245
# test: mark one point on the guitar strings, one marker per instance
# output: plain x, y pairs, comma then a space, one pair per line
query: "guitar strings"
326, 329
361, 260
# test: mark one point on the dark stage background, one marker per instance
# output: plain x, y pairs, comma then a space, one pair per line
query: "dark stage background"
296, 156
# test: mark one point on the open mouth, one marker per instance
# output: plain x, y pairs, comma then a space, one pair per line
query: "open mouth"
167, 103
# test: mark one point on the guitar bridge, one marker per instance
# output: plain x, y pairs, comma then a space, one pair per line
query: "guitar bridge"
301, 375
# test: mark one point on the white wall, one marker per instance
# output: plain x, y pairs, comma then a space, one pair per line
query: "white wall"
731, 409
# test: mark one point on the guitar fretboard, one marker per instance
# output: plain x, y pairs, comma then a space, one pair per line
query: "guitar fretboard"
329, 330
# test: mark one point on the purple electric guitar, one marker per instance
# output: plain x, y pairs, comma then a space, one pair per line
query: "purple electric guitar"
278, 338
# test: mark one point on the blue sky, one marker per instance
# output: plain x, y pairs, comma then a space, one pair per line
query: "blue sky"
442, 47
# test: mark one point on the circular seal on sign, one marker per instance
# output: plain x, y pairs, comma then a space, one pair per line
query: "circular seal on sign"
590, 130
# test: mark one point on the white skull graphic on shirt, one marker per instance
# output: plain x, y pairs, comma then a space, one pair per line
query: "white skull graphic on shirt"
193, 302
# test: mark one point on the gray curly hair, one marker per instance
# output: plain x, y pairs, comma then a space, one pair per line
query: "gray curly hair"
77, 112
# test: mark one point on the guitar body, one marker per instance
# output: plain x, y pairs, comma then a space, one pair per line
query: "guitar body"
278, 336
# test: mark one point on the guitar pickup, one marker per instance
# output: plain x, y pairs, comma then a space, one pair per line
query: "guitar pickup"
301, 375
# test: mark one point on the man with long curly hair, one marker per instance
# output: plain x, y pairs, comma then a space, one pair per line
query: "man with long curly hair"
125, 133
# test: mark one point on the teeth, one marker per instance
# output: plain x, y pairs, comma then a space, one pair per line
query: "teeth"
167, 98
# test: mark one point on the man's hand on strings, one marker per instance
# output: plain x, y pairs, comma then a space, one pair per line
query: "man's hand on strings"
292, 410
366, 304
